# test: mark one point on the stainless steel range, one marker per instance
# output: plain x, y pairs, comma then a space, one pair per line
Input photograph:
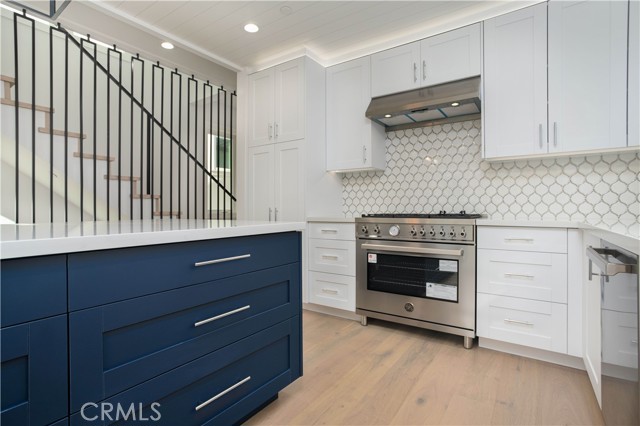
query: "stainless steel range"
418, 269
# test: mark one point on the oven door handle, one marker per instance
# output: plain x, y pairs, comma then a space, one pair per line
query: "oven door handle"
414, 250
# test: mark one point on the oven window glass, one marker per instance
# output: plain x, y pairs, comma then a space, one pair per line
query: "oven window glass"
413, 276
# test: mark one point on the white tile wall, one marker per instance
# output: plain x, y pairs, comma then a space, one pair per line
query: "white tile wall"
440, 168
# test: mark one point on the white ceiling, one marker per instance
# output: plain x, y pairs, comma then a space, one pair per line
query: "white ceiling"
328, 31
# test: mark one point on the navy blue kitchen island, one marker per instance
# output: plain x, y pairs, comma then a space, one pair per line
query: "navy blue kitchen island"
187, 333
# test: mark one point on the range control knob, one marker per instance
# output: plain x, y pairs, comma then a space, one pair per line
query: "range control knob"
432, 232
376, 230
422, 232
442, 233
364, 229
413, 232
452, 232
463, 233
394, 230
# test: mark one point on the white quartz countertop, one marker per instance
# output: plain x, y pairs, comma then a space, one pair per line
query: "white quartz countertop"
44, 239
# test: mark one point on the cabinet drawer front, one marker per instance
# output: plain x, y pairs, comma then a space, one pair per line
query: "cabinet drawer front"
546, 240
620, 342
530, 275
234, 374
332, 231
337, 291
34, 372
332, 256
33, 288
102, 277
524, 322
118, 346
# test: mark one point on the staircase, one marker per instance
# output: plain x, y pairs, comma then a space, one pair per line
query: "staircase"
90, 132
103, 164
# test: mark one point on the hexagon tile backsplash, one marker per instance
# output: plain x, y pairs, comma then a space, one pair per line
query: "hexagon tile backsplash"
440, 168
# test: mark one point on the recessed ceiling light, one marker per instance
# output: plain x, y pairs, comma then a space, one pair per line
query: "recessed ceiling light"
387, 116
251, 28
454, 104
167, 45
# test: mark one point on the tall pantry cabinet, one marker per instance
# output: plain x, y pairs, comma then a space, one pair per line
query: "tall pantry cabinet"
286, 147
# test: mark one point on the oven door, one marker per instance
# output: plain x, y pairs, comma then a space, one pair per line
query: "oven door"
423, 281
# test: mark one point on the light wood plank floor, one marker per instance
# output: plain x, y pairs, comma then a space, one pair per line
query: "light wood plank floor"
386, 374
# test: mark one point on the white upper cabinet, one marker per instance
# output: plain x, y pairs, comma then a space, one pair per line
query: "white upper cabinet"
353, 141
515, 83
445, 57
396, 70
587, 75
276, 109
451, 56
634, 74
555, 80
260, 182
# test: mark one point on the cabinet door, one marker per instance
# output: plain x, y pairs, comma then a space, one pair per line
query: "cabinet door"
634, 74
289, 101
451, 56
261, 107
515, 83
587, 75
289, 182
591, 335
260, 192
396, 70
34, 372
348, 130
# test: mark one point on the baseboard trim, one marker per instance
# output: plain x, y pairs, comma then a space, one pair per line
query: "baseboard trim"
539, 354
331, 311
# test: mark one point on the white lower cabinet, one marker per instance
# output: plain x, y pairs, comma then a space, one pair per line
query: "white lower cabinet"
533, 323
332, 265
524, 286
337, 291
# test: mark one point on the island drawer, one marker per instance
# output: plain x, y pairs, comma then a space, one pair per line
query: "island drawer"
533, 323
219, 387
117, 346
32, 288
548, 240
97, 278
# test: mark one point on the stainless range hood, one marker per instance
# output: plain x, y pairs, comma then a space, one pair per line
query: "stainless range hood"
444, 103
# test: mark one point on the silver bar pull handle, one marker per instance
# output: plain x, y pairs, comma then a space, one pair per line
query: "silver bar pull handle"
555, 133
424, 69
364, 154
269, 214
226, 259
540, 134
330, 291
270, 130
525, 240
275, 214
600, 257
509, 274
276, 133
517, 321
415, 72
634, 341
329, 231
414, 250
224, 392
217, 317
329, 257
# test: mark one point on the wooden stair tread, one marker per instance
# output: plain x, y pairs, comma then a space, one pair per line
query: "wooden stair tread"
145, 196
8, 79
91, 156
61, 133
25, 105
122, 178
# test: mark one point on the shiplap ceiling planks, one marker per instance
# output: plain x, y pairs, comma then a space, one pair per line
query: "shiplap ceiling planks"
328, 29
